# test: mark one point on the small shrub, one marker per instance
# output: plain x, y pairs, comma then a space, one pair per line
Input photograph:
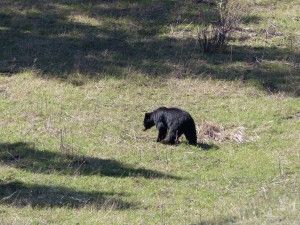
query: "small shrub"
215, 34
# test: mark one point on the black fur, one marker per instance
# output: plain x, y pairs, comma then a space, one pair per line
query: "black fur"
174, 120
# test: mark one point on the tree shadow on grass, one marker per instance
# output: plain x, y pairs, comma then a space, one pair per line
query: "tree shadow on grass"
19, 194
273, 69
66, 39
63, 38
24, 156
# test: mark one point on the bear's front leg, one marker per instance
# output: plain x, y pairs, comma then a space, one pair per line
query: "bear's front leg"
162, 132
172, 137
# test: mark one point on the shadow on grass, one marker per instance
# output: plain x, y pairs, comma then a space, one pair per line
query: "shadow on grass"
69, 39
19, 194
201, 145
207, 147
63, 38
254, 19
232, 220
22, 155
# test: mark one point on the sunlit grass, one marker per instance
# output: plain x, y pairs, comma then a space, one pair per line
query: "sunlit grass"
76, 79
93, 121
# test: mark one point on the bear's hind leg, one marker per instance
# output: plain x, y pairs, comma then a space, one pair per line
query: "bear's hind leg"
191, 136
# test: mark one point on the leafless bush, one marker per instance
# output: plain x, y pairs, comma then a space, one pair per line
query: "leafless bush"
215, 34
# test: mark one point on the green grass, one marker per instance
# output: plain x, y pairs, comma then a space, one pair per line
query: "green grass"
76, 78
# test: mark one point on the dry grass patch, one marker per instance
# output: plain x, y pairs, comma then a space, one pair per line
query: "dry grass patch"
209, 132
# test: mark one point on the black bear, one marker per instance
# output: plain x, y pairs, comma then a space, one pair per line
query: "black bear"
177, 121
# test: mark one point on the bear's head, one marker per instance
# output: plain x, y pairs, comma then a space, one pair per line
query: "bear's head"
148, 121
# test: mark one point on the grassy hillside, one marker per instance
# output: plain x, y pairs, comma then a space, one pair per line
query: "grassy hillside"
76, 78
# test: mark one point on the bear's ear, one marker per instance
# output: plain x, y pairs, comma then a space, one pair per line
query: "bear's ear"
147, 115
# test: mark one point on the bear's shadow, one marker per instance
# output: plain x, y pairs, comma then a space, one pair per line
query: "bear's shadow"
206, 147
202, 146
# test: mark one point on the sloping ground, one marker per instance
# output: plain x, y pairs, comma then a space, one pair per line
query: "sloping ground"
76, 80
75, 40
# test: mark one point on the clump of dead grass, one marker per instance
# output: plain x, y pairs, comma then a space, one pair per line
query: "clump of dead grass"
213, 132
